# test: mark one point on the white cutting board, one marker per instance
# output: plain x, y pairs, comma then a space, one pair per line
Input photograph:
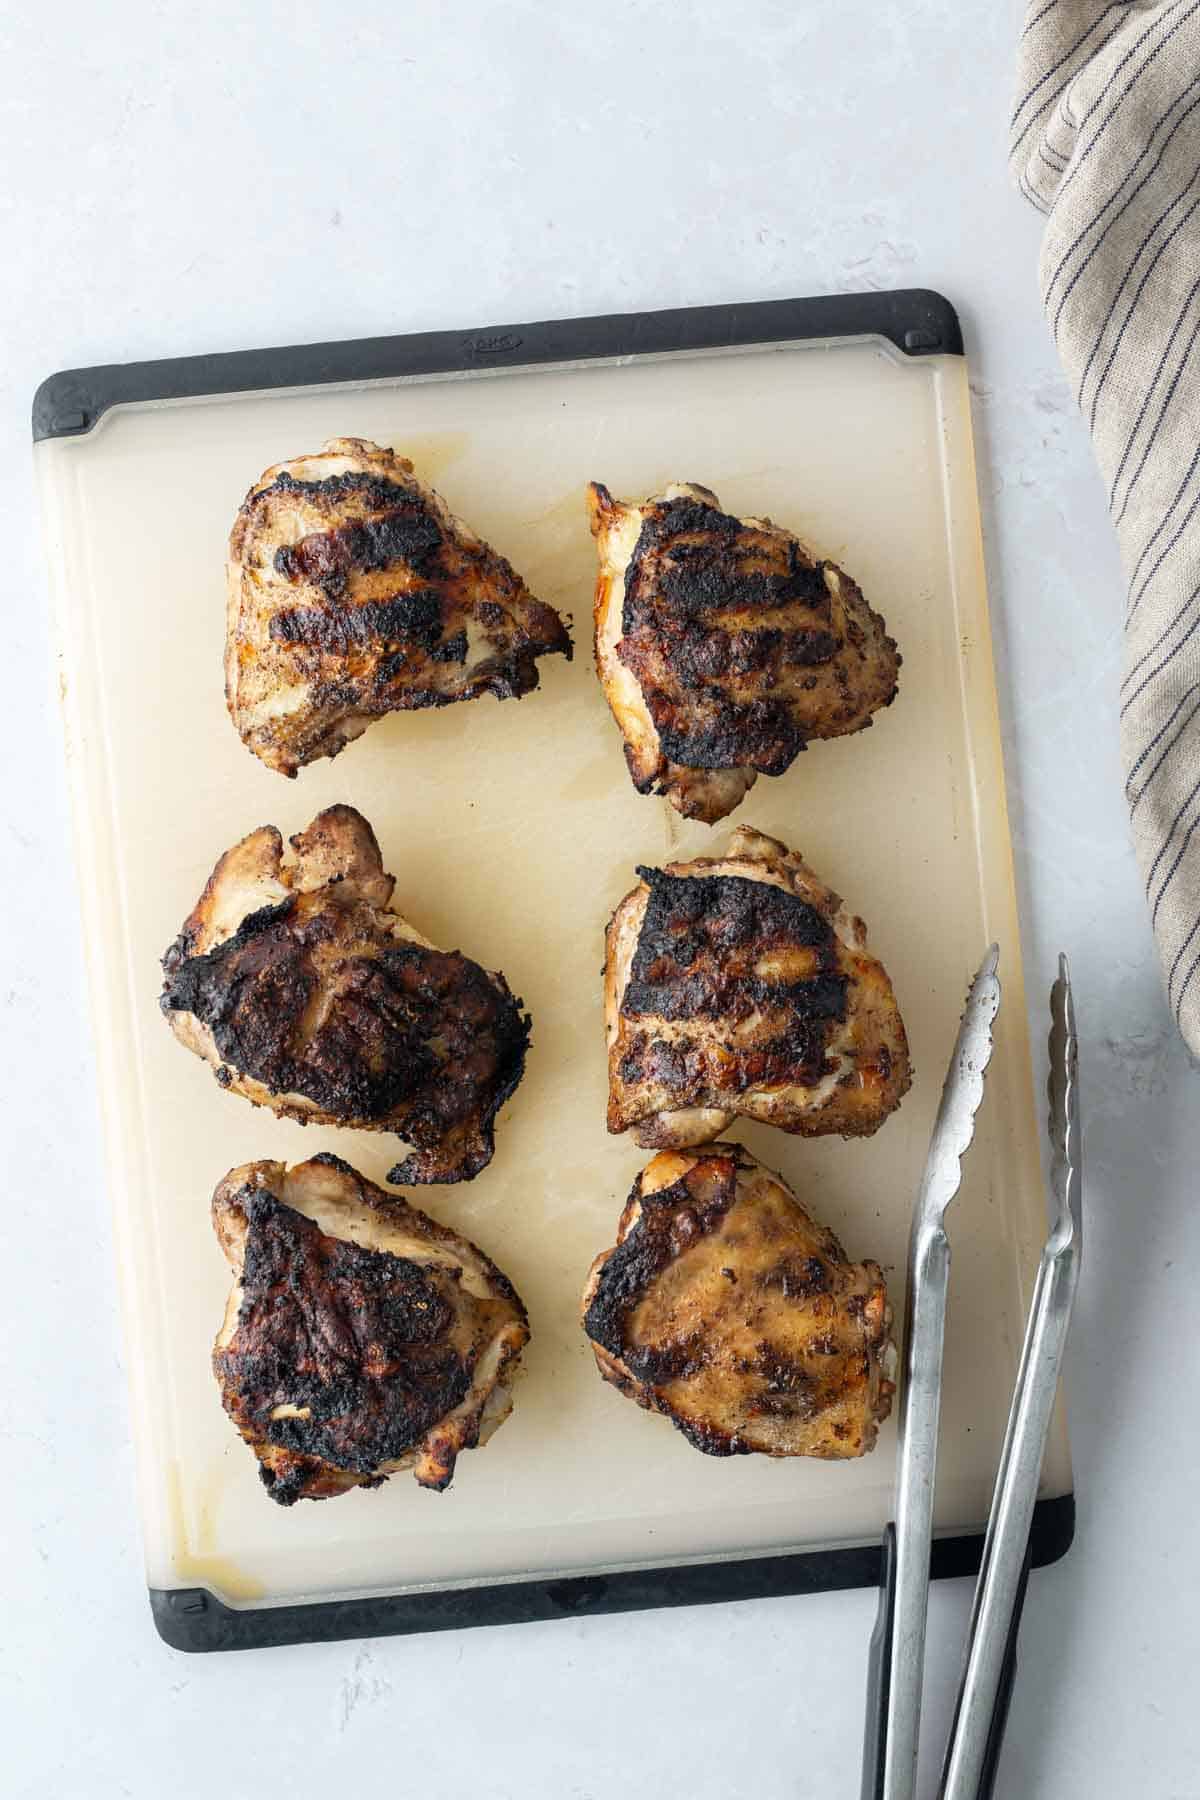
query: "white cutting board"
513, 830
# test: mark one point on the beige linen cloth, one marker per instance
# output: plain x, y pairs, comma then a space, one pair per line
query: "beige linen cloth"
1106, 142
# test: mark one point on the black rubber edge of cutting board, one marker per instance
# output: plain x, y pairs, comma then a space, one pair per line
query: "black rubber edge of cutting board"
916, 320
195, 1620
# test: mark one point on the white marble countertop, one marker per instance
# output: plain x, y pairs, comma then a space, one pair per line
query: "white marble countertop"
185, 178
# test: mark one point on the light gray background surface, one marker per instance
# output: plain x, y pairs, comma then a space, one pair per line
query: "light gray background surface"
182, 178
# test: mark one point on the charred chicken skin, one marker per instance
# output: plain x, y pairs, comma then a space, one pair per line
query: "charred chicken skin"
726, 1306
353, 591
360, 1337
306, 992
740, 985
724, 645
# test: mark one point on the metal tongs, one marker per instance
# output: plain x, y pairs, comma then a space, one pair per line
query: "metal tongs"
897, 1659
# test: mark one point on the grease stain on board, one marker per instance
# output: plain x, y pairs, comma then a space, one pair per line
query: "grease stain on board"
431, 453
200, 1562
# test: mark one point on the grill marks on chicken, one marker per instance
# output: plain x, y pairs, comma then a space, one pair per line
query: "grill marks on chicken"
360, 1337
306, 992
724, 947
293, 1002
740, 985
727, 1307
724, 645
353, 591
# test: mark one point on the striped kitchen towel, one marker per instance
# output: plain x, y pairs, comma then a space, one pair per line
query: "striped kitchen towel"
1106, 142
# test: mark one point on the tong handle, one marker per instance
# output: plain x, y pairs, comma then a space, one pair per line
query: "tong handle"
898, 1665
879, 1662
879, 1671
1002, 1575
1004, 1693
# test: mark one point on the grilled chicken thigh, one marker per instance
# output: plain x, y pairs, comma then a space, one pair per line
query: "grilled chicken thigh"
354, 591
724, 645
306, 991
740, 984
726, 1306
360, 1336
